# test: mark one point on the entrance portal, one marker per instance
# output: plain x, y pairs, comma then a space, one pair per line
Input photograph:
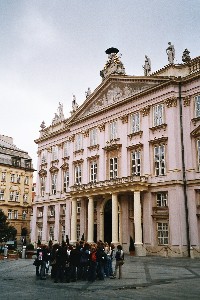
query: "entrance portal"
108, 221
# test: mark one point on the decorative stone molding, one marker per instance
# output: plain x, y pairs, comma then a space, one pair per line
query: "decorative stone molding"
42, 173
161, 140
85, 133
65, 166
195, 120
124, 119
78, 162
186, 101
159, 127
138, 133
49, 149
145, 110
112, 144
72, 138
53, 169
94, 157
101, 127
138, 146
171, 102
196, 132
94, 147
79, 151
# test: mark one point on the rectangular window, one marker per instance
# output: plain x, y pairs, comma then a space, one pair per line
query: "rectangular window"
77, 174
198, 154
11, 196
43, 157
25, 198
78, 207
51, 211
18, 178
12, 178
113, 168
26, 180
135, 126
54, 152
39, 233
24, 215
163, 233
53, 183
78, 231
51, 233
66, 149
159, 160
158, 114
135, 161
10, 214
65, 180
78, 142
93, 137
16, 196
42, 185
15, 214
3, 176
113, 130
1, 194
197, 106
63, 232
161, 199
93, 171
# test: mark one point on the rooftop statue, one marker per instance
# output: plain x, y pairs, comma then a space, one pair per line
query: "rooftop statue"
113, 64
147, 66
88, 92
186, 56
74, 104
42, 126
59, 116
170, 53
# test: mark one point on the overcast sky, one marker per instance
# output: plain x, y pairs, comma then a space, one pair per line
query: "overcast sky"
52, 49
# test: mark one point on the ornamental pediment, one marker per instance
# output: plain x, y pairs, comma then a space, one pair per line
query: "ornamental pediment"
196, 132
116, 89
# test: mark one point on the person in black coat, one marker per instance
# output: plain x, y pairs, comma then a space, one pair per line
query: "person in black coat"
61, 260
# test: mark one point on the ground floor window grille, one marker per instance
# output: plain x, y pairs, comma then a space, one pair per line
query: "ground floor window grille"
163, 233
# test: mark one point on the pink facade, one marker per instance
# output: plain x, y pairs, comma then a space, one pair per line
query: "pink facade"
125, 164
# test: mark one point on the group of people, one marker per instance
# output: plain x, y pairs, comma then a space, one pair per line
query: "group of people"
83, 261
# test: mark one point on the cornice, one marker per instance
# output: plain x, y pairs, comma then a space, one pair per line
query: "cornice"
159, 140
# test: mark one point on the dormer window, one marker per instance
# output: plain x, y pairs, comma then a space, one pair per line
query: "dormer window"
16, 161
28, 163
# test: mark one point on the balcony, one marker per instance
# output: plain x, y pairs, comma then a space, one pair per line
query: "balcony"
122, 184
160, 212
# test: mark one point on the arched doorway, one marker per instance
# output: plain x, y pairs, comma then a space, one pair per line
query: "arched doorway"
108, 221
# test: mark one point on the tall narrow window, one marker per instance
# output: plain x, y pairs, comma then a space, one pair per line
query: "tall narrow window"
198, 154
1, 194
51, 233
25, 198
135, 122
78, 230
78, 142
197, 106
159, 160
3, 176
18, 178
39, 233
10, 214
66, 149
26, 180
135, 161
17, 196
53, 183
12, 178
42, 185
54, 152
113, 130
163, 233
77, 171
11, 196
15, 214
65, 180
93, 171
158, 115
113, 168
93, 137
43, 157
63, 232
78, 207
161, 199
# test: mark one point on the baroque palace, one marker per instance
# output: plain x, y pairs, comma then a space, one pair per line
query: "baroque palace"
16, 179
126, 163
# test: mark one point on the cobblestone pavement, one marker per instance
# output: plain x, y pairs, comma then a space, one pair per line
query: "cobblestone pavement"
143, 278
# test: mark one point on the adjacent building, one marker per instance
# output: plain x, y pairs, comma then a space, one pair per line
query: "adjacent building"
16, 176
126, 163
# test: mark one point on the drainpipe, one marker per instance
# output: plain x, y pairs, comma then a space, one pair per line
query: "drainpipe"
184, 173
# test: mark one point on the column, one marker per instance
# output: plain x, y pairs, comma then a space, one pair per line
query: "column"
74, 221
45, 228
139, 249
101, 226
34, 225
57, 224
115, 233
90, 220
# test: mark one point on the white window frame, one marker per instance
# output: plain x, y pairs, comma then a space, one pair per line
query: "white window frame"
18, 178
161, 199
113, 168
198, 154
51, 233
135, 163
78, 142
26, 180
12, 178
10, 212
1, 194
63, 232
15, 214
113, 130
16, 196
78, 207
159, 160
197, 106
158, 114
78, 174
93, 171
25, 198
93, 136
54, 153
11, 198
65, 180
135, 122
43, 157
163, 233
3, 176
66, 149
42, 185
54, 183
40, 233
